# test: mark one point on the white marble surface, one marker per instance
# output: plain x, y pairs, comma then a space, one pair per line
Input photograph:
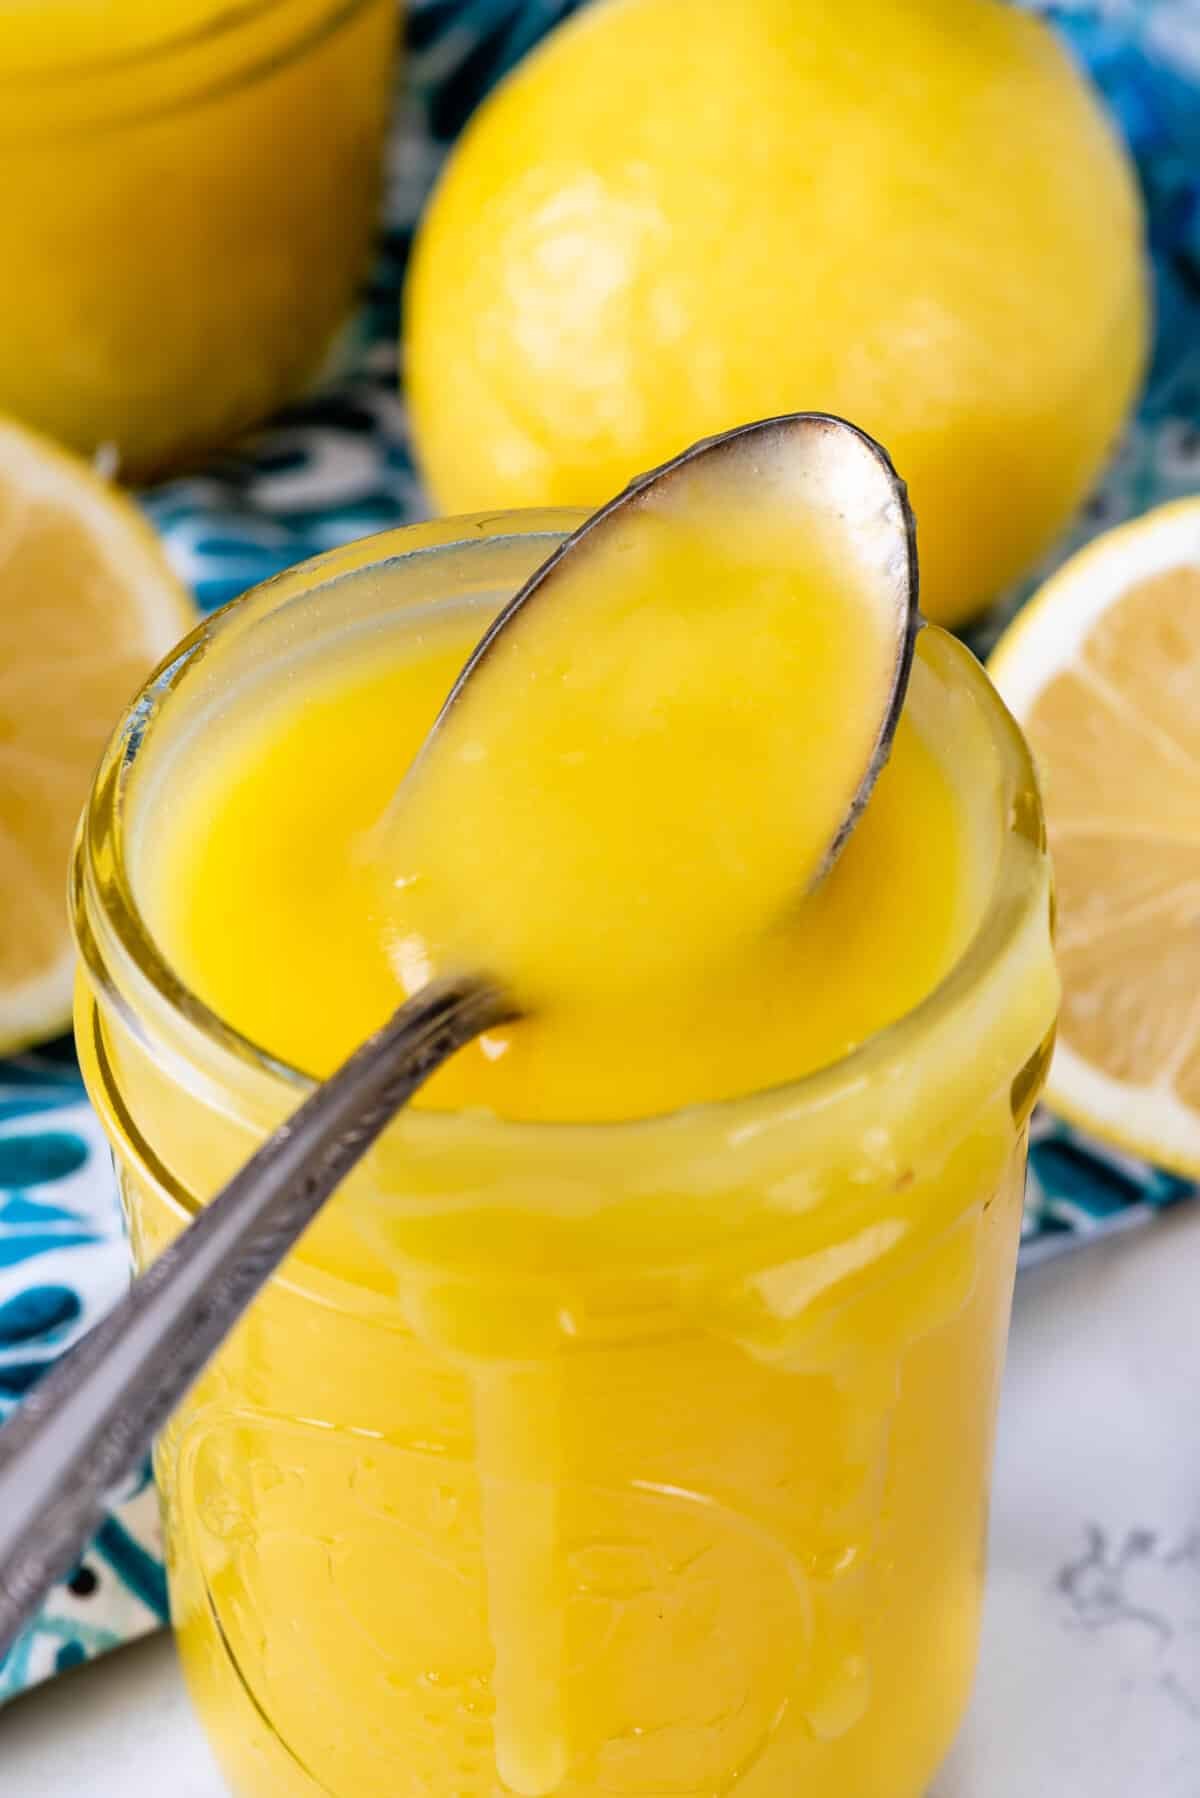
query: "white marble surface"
1090, 1679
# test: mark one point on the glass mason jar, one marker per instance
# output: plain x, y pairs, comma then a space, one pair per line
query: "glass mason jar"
190, 194
681, 1482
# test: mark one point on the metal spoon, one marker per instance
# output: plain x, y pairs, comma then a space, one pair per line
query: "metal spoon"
88, 1424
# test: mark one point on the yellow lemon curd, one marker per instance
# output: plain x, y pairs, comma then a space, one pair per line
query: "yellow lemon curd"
623, 1426
189, 197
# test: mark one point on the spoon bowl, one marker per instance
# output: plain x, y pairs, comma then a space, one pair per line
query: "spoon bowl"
669, 732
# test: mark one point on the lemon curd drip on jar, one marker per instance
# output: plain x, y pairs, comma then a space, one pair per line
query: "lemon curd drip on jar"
623, 1426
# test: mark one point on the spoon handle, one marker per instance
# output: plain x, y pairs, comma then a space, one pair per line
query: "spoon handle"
88, 1424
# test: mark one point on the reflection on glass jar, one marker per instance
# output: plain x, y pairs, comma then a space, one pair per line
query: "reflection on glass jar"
190, 191
637, 1459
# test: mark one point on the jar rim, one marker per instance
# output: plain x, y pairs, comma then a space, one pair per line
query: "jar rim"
225, 17
240, 43
122, 957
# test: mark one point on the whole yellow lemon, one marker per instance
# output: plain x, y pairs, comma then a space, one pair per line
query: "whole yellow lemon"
679, 215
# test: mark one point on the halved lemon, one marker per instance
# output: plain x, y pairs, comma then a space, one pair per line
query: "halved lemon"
1102, 669
88, 605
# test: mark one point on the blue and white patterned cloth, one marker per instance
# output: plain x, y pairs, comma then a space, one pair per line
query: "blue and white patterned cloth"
338, 467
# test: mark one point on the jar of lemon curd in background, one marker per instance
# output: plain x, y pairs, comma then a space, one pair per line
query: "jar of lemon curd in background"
639, 1456
190, 189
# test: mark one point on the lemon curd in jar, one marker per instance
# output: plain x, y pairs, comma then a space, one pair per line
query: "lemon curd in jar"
190, 191
624, 1424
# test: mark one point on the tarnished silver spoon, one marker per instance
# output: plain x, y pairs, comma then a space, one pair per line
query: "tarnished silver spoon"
88, 1425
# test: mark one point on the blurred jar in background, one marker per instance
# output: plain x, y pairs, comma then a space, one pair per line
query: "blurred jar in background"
190, 189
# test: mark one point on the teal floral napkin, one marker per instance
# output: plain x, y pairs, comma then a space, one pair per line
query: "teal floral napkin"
63, 1260
338, 467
